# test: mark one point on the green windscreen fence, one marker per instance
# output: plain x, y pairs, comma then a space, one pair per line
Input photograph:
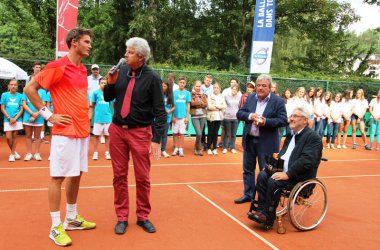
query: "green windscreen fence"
370, 88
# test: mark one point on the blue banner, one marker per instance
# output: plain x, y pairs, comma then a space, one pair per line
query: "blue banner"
262, 38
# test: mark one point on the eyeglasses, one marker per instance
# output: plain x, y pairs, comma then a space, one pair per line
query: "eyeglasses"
295, 116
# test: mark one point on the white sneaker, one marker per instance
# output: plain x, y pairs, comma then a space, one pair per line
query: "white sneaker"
339, 147
233, 151
224, 151
107, 155
209, 152
37, 157
102, 140
328, 146
332, 146
344, 147
164, 154
175, 152
95, 156
17, 156
28, 157
12, 158
215, 152
180, 151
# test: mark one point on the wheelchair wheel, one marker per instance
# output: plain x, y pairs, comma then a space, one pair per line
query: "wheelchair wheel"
307, 204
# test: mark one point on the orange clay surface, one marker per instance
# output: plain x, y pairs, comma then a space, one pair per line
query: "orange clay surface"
192, 204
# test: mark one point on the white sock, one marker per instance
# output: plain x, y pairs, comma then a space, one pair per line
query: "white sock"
55, 218
71, 211
42, 134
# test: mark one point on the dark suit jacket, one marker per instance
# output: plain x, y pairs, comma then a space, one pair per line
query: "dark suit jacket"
275, 117
306, 155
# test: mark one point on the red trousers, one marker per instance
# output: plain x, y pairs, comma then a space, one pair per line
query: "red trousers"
137, 141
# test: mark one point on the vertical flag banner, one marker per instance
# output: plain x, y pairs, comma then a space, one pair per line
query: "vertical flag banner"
262, 38
67, 13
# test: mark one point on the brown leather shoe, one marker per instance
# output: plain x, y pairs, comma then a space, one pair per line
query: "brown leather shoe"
259, 217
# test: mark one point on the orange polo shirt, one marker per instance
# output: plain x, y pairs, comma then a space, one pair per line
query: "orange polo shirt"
67, 84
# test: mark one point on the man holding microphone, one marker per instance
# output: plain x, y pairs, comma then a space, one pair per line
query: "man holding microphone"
137, 126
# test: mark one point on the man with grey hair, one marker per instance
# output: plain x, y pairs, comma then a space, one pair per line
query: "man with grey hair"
302, 152
137, 126
263, 114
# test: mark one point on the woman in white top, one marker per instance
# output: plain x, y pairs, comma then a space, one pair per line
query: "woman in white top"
299, 98
334, 119
318, 112
374, 109
346, 118
287, 97
359, 108
215, 109
326, 109
310, 101
230, 121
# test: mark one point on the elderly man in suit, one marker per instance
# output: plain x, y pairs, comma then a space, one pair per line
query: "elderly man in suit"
302, 152
263, 114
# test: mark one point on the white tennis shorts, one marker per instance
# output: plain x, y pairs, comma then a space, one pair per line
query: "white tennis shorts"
101, 129
68, 156
179, 127
12, 127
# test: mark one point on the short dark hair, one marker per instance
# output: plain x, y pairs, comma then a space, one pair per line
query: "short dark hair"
182, 78
36, 63
77, 34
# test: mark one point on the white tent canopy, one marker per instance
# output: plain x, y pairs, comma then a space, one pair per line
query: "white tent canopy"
9, 70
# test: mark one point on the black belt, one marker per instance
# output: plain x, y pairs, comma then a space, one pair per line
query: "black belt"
125, 126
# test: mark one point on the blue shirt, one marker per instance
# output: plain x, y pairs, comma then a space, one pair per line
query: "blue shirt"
181, 98
168, 107
48, 99
26, 117
102, 111
12, 103
207, 90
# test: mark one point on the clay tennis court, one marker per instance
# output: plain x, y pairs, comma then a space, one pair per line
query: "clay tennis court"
192, 205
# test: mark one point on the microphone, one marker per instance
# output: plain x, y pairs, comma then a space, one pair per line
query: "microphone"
118, 65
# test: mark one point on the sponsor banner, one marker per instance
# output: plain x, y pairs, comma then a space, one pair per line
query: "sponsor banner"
261, 55
67, 13
262, 38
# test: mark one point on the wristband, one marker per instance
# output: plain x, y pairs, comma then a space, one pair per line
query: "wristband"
45, 113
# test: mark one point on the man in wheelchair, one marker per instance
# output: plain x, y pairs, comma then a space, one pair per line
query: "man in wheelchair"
300, 157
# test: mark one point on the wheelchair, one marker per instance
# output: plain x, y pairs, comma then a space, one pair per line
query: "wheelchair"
305, 205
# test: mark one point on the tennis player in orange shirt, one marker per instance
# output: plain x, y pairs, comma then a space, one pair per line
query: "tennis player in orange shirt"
66, 79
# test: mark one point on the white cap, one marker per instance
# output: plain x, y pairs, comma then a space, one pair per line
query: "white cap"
95, 66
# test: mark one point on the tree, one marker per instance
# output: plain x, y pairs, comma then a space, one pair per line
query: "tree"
21, 35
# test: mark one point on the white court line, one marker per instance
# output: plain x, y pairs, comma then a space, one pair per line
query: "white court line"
234, 219
180, 164
178, 183
99, 187
153, 165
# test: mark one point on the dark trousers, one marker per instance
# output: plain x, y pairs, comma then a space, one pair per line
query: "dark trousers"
136, 141
251, 152
212, 137
266, 187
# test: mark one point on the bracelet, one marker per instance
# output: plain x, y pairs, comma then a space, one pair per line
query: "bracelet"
45, 113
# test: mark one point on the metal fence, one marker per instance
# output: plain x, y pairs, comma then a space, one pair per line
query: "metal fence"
370, 88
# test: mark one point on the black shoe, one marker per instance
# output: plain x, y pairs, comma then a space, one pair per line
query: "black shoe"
121, 227
146, 225
242, 200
